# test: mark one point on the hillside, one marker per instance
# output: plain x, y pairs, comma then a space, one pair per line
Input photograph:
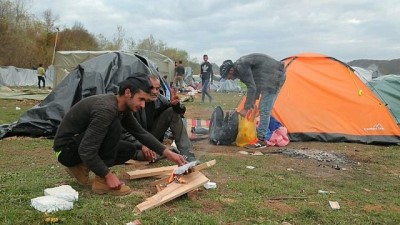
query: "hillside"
383, 67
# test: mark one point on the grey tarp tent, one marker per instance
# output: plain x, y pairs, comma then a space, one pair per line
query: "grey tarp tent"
387, 88
66, 61
96, 76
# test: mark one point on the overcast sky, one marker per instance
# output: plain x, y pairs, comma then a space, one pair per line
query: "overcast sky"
228, 29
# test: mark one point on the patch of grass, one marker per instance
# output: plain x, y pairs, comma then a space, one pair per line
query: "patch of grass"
11, 110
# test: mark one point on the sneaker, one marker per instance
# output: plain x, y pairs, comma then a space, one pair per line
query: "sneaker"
257, 145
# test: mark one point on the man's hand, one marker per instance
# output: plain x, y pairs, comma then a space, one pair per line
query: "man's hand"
174, 157
175, 100
150, 155
112, 181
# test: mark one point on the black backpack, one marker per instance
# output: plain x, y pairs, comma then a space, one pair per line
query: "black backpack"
223, 129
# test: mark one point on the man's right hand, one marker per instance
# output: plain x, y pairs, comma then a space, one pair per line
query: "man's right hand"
113, 181
174, 157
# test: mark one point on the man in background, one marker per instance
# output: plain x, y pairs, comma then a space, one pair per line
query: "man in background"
206, 73
41, 72
179, 75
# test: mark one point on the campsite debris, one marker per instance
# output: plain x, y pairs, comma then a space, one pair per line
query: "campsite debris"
250, 167
257, 153
334, 204
336, 167
51, 219
289, 169
243, 152
210, 185
367, 190
325, 192
17, 108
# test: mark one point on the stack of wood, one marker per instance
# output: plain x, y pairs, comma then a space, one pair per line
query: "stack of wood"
167, 191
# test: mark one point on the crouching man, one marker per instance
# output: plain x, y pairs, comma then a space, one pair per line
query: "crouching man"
89, 136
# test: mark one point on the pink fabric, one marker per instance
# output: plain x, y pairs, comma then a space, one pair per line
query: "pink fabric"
279, 137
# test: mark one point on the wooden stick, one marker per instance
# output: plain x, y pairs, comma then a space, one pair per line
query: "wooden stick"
149, 172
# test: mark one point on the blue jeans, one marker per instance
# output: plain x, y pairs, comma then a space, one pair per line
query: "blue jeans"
267, 102
204, 89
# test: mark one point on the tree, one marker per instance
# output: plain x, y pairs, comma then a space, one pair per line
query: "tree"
77, 38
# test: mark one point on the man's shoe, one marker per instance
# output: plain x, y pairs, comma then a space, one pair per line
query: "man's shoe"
100, 187
257, 145
81, 173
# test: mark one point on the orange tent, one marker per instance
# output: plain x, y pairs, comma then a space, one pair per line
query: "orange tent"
324, 100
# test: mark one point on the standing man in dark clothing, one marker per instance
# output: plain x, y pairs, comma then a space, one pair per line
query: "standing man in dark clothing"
179, 75
88, 138
206, 73
158, 115
263, 76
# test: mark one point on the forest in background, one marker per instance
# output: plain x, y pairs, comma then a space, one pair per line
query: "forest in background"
27, 40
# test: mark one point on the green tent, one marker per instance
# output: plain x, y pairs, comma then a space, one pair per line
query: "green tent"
387, 88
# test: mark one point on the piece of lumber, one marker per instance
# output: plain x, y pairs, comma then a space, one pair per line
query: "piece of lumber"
205, 165
162, 171
173, 190
165, 170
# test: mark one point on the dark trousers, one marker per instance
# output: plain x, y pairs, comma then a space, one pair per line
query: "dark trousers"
41, 79
113, 151
204, 90
169, 119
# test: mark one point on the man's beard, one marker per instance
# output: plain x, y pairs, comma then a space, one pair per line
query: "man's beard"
153, 97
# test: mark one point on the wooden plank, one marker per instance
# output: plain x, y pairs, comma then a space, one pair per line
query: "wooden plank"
149, 172
162, 171
172, 191
205, 165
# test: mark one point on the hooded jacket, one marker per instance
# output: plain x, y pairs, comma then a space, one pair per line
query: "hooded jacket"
260, 73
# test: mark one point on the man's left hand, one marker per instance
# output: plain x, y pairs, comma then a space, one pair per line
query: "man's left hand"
175, 100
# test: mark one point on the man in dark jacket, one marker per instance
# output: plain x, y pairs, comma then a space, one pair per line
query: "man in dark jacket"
263, 76
157, 116
88, 138
206, 74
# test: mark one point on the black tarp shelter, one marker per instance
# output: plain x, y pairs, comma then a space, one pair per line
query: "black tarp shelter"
98, 75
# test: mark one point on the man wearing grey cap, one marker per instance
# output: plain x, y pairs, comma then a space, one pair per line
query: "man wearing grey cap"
89, 136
